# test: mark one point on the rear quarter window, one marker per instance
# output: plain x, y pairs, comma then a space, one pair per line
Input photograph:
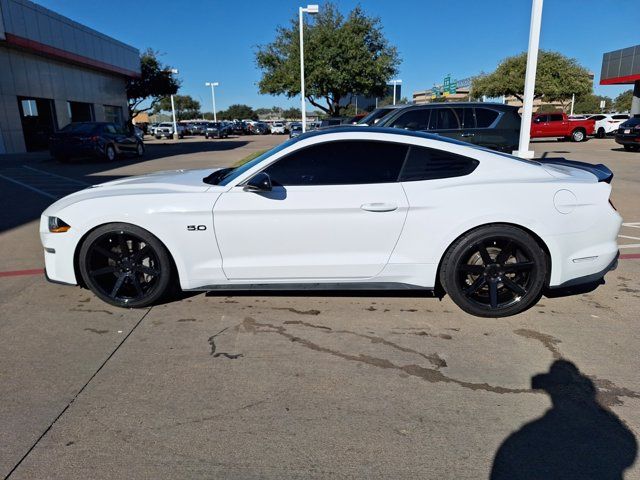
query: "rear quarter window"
431, 164
485, 117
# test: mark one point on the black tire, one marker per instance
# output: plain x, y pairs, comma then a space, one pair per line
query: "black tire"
578, 135
206, 135
601, 133
631, 148
158, 137
494, 271
140, 149
110, 153
125, 265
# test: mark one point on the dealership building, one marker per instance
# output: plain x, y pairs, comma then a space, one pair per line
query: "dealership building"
54, 71
622, 67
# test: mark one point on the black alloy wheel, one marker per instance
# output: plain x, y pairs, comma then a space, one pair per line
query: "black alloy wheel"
125, 265
494, 271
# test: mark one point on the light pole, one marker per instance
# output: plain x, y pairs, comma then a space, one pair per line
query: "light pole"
395, 82
310, 9
213, 97
530, 81
173, 110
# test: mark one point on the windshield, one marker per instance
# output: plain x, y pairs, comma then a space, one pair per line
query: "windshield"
79, 128
227, 175
632, 122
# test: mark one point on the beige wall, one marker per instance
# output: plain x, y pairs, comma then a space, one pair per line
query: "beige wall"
28, 75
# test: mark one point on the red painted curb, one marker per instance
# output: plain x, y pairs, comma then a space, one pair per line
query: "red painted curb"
629, 256
17, 273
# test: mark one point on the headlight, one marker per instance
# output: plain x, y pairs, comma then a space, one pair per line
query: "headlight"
57, 226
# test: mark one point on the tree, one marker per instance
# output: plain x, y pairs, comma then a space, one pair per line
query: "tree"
344, 56
622, 103
557, 78
238, 112
186, 107
292, 113
590, 103
155, 82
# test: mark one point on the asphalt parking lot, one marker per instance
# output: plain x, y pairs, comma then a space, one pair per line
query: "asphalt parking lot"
322, 386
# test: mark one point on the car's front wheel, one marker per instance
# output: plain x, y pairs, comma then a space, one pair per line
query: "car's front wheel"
601, 133
125, 265
140, 149
494, 271
110, 153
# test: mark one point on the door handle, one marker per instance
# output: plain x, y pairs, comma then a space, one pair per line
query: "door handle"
465, 135
379, 207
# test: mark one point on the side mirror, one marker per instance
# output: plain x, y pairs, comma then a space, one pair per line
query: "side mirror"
260, 182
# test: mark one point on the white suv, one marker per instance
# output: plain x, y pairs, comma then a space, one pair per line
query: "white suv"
607, 123
277, 128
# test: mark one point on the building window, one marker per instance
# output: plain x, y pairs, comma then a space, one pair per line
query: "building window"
29, 108
113, 114
80, 112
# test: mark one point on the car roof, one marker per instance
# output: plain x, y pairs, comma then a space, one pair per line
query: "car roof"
495, 105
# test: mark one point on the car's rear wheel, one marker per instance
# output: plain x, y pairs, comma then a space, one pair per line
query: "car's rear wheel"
494, 271
140, 149
601, 133
125, 265
578, 135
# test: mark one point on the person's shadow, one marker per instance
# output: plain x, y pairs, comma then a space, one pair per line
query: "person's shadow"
576, 439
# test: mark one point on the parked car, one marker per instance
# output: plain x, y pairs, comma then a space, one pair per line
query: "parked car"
94, 139
333, 122
344, 208
277, 128
491, 125
378, 114
295, 130
607, 123
216, 130
560, 125
628, 134
197, 128
165, 130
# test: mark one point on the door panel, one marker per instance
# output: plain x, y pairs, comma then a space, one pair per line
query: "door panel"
307, 232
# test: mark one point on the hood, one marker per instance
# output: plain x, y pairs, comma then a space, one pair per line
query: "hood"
165, 182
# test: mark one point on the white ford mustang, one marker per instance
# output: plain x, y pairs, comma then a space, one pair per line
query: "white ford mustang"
346, 208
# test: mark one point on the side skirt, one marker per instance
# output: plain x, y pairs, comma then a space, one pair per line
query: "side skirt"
387, 286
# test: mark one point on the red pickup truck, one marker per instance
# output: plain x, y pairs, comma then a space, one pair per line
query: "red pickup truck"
561, 126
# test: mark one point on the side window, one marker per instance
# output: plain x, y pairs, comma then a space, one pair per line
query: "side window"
340, 163
485, 117
416, 119
541, 119
597, 117
109, 128
555, 117
430, 164
620, 117
465, 117
444, 119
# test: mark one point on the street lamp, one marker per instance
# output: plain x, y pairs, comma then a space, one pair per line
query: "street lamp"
173, 110
395, 82
312, 10
530, 81
213, 97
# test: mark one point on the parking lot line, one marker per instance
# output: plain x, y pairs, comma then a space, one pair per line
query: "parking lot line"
72, 180
33, 189
45, 183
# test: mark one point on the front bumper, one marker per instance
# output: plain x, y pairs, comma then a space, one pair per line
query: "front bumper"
59, 249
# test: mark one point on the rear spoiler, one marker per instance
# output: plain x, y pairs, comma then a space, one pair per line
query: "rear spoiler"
601, 171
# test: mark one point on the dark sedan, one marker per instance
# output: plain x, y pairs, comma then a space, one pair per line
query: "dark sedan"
628, 134
94, 139
216, 130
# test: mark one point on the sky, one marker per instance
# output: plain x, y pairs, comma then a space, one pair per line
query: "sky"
212, 40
